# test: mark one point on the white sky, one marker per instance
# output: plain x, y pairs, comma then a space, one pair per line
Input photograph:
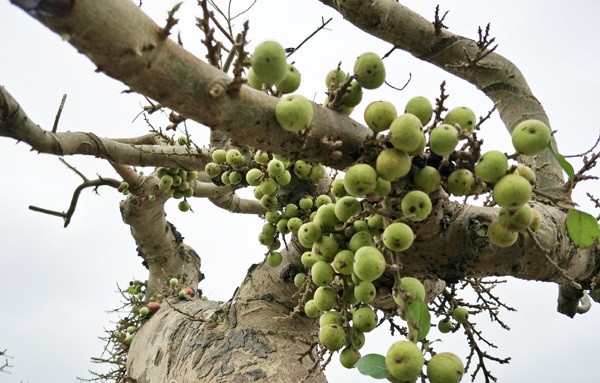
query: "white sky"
56, 284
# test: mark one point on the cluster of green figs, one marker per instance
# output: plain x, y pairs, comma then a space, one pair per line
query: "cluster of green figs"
351, 232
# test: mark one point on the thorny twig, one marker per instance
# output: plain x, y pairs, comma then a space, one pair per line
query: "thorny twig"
438, 22
171, 21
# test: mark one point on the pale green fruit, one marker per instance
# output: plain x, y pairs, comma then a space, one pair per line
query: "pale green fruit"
212, 170
369, 70
360, 225
516, 219
299, 279
352, 96
294, 113
293, 224
302, 169
275, 168
326, 217
290, 82
282, 226
427, 179
512, 190
460, 182
383, 187
269, 202
346, 207
392, 164
343, 262
406, 132
414, 287
369, 263
183, 186
322, 273
360, 180
219, 156
331, 317
310, 309
309, 233
261, 157
364, 319
334, 79
324, 298
379, 115
443, 139
445, 367
274, 259
349, 357
375, 223
420, 107
349, 296
290, 210
322, 199
235, 177
491, 166
536, 222
445, 325
404, 360
166, 182
420, 148
500, 236
144, 311
284, 159
337, 188
526, 172
365, 291
268, 186
326, 248
183, 206
308, 259
462, 117
269, 62
272, 216
332, 337
173, 282
235, 158
265, 240
317, 172
361, 239
269, 229
460, 314
252, 80
416, 205
192, 176
285, 178
305, 203
398, 236
531, 137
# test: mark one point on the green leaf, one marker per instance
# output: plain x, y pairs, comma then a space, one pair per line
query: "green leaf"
419, 313
567, 167
373, 365
582, 228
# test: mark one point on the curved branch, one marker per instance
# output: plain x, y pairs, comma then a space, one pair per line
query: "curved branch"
14, 123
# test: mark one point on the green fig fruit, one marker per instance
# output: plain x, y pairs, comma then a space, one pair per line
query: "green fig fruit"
531, 137
369, 70
379, 115
269, 62
420, 107
294, 113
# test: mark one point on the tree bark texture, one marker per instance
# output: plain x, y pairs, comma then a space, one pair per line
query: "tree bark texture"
253, 336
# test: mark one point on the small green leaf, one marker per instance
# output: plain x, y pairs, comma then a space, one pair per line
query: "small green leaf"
373, 365
419, 313
582, 228
567, 167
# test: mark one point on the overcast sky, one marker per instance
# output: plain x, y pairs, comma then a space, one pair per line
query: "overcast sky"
57, 283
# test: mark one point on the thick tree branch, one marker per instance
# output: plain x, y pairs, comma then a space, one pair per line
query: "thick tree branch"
127, 45
14, 123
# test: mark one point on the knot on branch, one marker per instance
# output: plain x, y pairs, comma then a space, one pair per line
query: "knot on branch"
218, 90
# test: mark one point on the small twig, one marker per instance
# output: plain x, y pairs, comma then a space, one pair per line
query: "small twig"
403, 86
74, 169
438, 22
69, 214
324, 23
171, 21
586, 152
58, 113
